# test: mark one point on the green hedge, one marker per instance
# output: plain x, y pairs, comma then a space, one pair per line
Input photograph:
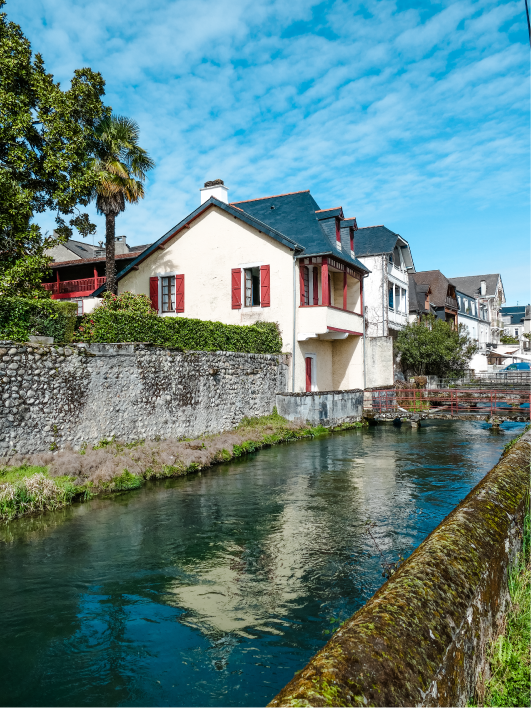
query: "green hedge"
129, 318
21, 317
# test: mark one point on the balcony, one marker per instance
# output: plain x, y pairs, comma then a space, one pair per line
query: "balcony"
73, 288
327, 323
397, 320
451, 302
397, 273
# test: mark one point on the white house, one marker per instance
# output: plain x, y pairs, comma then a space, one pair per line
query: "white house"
278, 259
488, 291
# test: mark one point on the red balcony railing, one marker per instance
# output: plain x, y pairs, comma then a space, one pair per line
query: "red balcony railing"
74, 286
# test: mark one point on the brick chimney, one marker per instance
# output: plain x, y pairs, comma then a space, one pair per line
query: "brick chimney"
216, 189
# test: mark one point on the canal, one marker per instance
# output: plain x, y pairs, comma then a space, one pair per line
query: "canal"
213, 590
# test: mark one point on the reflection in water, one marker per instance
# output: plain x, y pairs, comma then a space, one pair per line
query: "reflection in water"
215, 589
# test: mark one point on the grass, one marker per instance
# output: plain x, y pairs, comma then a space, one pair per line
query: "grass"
508, 655
36, 483
508, 447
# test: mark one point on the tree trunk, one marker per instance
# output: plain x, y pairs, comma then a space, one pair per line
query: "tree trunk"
110, 262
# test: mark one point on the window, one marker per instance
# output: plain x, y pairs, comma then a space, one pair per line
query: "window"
404, 301
79, 304
516, 333
252, 287
397, 298
351, 234
305, 285
391, 290
168, 293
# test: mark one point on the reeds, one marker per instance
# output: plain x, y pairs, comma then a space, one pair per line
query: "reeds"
33, 494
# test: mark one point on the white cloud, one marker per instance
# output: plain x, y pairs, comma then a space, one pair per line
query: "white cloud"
389, 112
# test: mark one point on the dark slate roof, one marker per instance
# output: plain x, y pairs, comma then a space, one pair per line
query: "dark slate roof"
81, 249
295, 215
373, 240
516, 312
96, 259
329, 213
438, 284
234, 211
417, 296
471, 284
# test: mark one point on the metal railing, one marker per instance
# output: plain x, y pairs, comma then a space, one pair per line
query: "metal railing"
454, 401
74, 286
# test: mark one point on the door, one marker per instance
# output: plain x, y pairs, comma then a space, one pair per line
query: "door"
308, 373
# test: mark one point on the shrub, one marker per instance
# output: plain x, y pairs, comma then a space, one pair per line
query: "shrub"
22, 317
130, 318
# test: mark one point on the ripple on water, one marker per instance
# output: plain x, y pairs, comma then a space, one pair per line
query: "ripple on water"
213, 590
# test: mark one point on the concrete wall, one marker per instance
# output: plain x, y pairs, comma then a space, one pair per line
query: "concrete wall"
52, 396
379, 361
420, 640
323, 408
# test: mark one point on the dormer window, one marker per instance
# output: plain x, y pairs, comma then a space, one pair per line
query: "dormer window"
351, 236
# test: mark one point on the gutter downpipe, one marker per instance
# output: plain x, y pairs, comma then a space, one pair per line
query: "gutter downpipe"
294, 323
364, 357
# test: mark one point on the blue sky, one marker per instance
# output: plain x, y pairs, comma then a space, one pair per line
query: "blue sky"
412, 115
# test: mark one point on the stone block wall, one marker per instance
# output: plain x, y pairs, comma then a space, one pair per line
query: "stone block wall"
420, 640
322, 407
52, 396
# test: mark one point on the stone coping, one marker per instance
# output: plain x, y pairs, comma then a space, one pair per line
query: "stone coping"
420, 639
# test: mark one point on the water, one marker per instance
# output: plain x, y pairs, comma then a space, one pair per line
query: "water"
213, 590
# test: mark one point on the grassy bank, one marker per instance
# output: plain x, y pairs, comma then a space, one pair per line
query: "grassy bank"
507, 681
32, 484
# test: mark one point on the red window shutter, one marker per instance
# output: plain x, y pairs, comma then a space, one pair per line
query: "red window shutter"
265, 299
179, 293
308, 373
315, 287
154, 293
236, 288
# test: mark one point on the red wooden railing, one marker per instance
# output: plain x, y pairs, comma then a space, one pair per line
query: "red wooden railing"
453, 401
74, 286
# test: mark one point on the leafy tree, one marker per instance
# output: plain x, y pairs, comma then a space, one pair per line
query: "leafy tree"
507, 339
47, 140
433, 347
120, 166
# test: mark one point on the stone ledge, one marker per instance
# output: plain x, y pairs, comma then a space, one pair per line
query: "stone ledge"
420, 639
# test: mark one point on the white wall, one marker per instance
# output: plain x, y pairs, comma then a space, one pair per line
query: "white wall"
206, 253
375, 296
379, 361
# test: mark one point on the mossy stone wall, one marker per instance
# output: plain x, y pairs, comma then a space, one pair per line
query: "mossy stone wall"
53, 396
420, 640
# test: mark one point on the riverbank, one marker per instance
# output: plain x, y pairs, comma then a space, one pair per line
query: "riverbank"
34, 484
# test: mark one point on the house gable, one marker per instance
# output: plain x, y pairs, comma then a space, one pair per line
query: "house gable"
207, 253
186, 224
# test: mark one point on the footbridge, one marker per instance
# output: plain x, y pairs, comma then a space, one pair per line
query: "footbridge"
416, 404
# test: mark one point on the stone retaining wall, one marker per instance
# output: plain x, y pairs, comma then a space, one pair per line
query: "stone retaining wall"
322, 407
55, 395
420, 640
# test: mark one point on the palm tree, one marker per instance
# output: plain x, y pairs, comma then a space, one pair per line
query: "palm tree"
121, 165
